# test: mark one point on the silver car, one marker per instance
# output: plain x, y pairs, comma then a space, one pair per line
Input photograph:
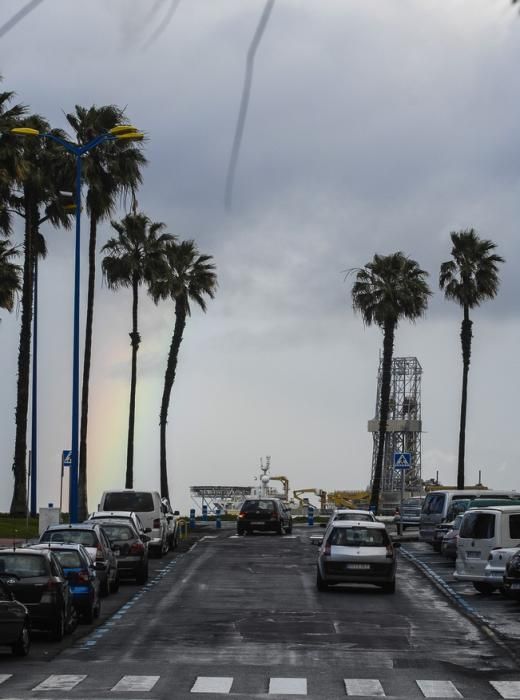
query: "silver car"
357, 552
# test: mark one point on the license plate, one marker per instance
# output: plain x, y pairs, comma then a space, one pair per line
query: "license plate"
257, 522
358, 566
515, 586
473, 555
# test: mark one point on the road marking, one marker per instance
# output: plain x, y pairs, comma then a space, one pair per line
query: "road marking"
132, 683
507, 689
363, 687
288, 686
56, 682
438, 689
212, 684
4, 677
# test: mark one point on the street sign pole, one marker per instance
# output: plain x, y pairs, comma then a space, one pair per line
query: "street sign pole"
403, 462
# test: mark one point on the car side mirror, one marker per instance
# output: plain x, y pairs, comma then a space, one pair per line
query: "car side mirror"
145, 538
169, 517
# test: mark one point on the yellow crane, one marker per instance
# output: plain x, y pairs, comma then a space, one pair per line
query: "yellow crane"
322, 495
285, 482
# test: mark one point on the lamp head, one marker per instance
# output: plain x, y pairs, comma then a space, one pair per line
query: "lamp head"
123, 129
24, 131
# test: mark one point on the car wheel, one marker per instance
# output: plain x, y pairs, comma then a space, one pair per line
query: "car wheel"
288, 529
320, 583
88, 615
103, 588
142, 576
484, 588
114, 586
72, 622
23, 643
389, 587
97, 610
57, 630
240, 530
279, 529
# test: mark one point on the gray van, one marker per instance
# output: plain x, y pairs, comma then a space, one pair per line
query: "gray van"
444, 505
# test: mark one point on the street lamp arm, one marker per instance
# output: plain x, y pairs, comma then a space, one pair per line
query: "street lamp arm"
72, 148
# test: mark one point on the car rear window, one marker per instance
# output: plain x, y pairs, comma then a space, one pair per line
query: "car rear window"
87, 538
137, 501
358, 537
69, 559
514, 527
354, 516
259, 505
118, 532
434, 503
478, 526
23, 565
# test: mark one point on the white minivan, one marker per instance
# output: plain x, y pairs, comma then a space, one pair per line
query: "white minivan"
444, 505
151, 510
482, 530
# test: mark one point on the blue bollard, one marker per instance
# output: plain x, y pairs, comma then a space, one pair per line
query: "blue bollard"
192, 518
204, 512
310, 516
218, 524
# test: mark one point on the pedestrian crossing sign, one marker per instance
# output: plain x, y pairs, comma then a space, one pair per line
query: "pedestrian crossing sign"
66, 458
402, 460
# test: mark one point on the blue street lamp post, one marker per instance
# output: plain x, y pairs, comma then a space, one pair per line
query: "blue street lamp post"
125, 132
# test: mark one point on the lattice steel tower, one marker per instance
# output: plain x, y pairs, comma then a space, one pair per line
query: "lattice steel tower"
403, 432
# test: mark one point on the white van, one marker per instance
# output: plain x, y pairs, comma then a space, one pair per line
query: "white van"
150, 509
481, 530
444, 505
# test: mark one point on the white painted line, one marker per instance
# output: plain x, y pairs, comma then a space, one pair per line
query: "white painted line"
288, 686
507, 689
135, 683
212, 684
209, 537
55, 682
438, 689
4, 677
363, 687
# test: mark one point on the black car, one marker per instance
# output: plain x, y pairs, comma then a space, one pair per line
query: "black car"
15, 627
132, 561
265, 515
36, 579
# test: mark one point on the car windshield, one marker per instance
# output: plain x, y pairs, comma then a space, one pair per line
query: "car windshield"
260, 505
358, 537
136, 501
118, 532
23, 565
69, 559
360, 517
87, 538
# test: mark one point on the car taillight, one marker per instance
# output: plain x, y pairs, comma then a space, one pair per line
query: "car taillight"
52, 585
389, 551
99, 553
82, 576
136, 548
157, 523
326, 551
241, 514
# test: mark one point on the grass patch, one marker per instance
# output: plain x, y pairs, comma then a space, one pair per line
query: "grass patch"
18, 528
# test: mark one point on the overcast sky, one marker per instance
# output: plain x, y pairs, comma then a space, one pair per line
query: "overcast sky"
373, 126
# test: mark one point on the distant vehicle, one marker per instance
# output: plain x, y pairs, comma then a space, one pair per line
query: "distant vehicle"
121, 515
351, 514
449, 541
132, 561
444, 505
15, 626
92, 536
149, 507
80, 572
409, 512
482, 530
356, 552
172, 520
264, 515
36, 579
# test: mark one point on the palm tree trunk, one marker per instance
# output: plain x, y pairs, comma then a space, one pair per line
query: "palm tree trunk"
82, 474
134, 339
465, 339
386, 379
19, 500
169, 378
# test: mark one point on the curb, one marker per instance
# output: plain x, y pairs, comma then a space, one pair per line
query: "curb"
467, 610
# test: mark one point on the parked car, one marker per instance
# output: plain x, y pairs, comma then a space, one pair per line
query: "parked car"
150, 509
264, 515
132, 561
36, 579
449, 541
80, 571
409, 512
351, 514
496, 566
172, 520
440, 532
357, 552
482, 530
92, 536
512, 576
122, 515
15, 625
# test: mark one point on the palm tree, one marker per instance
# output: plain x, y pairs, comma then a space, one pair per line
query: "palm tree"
110, 171
10, 274
191, 276
43, 167
10, 162
135, 257
469, 279
386, 290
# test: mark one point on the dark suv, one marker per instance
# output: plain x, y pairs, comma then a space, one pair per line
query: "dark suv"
264, 514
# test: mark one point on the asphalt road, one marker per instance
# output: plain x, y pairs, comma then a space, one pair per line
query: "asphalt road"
242, 616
